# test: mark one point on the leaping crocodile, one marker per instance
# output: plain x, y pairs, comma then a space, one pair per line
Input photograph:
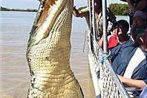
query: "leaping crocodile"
48, 52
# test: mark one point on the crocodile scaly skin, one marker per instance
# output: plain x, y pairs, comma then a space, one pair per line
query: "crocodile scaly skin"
48, 54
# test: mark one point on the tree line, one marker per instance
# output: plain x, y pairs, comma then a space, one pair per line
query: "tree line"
116, 8
119, 9
23, 10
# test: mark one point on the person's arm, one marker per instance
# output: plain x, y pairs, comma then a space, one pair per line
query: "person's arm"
100, 42
77, 13
132, 82
130, 5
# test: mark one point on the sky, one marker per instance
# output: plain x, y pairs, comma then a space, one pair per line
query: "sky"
33, 4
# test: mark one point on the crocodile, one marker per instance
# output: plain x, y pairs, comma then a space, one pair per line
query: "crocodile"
48, 52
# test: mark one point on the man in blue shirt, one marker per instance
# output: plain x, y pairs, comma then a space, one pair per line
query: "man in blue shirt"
131, 71
130, 61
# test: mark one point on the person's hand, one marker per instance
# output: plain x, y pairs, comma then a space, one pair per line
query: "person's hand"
75, 12
119, 31
120, 78
74, 8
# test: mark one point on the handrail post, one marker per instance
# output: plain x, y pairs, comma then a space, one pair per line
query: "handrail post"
104, 7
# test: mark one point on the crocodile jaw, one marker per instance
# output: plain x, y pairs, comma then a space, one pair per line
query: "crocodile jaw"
44, 28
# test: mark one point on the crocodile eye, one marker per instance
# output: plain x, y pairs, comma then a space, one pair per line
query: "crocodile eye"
47, 58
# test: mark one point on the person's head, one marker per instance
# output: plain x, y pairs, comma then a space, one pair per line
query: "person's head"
142, 40
98, 5
139, 24
122, 24
139, 19
121, 28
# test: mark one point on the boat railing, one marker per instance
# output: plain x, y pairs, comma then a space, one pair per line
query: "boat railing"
106, 83
110, 85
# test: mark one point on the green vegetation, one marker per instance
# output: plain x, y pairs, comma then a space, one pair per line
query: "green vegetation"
116, 8
119, 9
22, 10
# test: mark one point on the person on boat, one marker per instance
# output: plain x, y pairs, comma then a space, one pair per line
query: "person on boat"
129, 61
84, 11
135, 74
118, 34
135, 5
121, 55
139, 23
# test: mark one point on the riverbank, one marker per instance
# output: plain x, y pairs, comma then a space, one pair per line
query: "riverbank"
19, 10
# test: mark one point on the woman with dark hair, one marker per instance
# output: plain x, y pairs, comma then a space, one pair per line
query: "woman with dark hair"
119, 33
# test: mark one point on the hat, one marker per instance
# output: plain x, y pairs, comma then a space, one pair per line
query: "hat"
140, 14
123, 24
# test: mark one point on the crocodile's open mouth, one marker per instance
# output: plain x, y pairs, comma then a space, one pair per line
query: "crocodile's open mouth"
51, 11
51, 8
